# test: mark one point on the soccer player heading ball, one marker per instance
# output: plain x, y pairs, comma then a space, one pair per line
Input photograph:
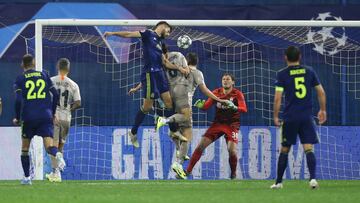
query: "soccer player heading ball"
296, 82
153, 77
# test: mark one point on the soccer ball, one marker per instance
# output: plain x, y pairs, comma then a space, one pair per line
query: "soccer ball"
184, 41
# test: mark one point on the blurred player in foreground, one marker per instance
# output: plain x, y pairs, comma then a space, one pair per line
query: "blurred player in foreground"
226, 122
35, 106
297, 81
70, 100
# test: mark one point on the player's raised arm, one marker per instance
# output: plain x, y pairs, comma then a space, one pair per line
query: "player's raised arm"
208, 93
322, 103
126, 34
167, 64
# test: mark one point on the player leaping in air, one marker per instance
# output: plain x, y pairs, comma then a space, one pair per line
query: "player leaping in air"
153, 77
36, 108
297, 81
226, 122
182, 89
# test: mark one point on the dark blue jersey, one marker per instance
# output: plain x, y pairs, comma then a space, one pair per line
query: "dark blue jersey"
33, 94
297, 83
152, 52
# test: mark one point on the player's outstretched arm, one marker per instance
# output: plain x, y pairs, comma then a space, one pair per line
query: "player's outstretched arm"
126, 34
169, 65
277, 104
211, 95
322, 103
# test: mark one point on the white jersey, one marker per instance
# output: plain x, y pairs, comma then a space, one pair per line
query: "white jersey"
69, 92
175, 77
195, 79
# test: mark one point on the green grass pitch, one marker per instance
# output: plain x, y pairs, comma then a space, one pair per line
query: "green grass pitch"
171, 191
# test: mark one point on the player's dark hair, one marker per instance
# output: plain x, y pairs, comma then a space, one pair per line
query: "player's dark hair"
293, 54
64, 64
27, 60
229, 74
192, 59
164, 48
163, 23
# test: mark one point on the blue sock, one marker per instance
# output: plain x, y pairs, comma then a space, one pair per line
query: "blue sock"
282, 164
52, 150
311, 162
138, 120
25, 162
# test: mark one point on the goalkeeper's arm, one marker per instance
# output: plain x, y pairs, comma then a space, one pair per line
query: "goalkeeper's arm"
126, 34
242, 108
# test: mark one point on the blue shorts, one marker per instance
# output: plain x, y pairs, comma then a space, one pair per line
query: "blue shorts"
306, 129
43, 128
154, 84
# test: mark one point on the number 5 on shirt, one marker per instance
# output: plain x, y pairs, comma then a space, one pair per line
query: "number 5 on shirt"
300, 87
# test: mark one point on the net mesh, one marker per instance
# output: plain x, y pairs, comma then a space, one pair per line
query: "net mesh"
106, 69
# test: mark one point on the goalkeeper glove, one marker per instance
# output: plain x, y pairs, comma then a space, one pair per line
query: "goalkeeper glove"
231, 106
199, 103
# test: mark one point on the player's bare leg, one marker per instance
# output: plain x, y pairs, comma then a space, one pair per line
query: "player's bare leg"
184, 116
139, 118
55, 175
311, 162
25, 161
52, 150
181, 156
282, 164
233, 158
168, 110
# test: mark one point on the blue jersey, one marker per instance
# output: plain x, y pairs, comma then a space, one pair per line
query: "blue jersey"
152, 51
33, 92
297, 83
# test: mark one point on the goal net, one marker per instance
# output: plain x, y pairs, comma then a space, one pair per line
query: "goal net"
106, 69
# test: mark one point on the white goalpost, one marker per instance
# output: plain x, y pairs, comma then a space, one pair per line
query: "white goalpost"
251, 50
39, 23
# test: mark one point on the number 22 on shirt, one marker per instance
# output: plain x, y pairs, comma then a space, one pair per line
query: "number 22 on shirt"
32, 94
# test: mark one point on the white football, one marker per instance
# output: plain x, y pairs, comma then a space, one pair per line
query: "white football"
184, 41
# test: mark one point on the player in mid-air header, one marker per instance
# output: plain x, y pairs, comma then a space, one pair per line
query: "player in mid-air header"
153, 77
